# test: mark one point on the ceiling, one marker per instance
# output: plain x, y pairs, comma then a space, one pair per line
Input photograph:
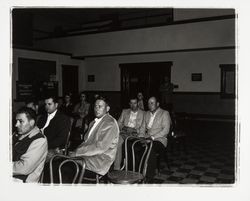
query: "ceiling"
42, 23
33, 24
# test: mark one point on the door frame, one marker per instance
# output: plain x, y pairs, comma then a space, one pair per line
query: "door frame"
124, 77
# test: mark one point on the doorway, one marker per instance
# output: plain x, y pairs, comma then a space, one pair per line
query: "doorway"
143, 77
70, 79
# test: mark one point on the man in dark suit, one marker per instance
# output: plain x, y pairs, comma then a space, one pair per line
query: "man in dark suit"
54, 125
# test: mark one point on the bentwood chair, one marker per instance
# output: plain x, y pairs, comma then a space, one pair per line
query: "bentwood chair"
59, 163
65, 150
139, 162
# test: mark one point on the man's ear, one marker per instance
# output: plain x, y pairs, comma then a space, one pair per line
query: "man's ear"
108, 108
56, 105
32, 122
158, 104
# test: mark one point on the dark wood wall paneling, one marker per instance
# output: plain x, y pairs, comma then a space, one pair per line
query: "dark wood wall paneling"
209, 104
195, 105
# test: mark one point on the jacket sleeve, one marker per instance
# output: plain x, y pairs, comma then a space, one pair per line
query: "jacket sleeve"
166, 122
121, 120
62, 133
29, 161
104, 142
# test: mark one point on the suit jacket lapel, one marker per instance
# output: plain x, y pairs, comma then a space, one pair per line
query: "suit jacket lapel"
87, 134
93, 135
127, 115
138, 118
156, 117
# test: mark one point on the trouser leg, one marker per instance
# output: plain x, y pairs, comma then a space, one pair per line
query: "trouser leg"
158, 148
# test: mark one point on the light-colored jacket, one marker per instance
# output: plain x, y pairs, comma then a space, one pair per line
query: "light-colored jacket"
99, 150
124, 119
160, 127
32, 162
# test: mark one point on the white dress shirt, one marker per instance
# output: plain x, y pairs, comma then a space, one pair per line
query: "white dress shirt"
132, 119
151, 120
97, 121
50, 116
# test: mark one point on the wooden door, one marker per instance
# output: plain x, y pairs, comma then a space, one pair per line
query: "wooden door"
70, 79
144, 77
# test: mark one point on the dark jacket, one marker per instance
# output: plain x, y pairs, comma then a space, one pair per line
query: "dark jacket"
57, 130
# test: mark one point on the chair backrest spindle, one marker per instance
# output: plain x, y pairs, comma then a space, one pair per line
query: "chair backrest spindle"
78, 162
143, 159
60, 170
133, 154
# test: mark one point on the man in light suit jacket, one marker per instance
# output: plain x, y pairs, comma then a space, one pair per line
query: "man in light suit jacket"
156, 126
129, 123
100, 142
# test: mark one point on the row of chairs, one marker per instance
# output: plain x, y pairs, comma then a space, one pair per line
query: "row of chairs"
123, 176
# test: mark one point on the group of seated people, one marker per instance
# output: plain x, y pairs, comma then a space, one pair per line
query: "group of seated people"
36, 140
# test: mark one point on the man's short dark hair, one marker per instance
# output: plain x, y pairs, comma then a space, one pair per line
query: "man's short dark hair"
31, 100
133, 98
30, 113
67, 94
105, 99
53, 97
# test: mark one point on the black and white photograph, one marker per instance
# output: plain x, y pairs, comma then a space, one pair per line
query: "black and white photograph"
130, 99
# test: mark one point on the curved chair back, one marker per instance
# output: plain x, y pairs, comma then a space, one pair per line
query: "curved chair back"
57, 162
67, 144
137, 160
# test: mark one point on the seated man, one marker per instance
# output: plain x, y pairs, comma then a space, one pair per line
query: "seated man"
54, 125
129, 123
156, 126
100, 142
29, 147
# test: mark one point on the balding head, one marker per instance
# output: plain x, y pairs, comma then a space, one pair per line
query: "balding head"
153, 104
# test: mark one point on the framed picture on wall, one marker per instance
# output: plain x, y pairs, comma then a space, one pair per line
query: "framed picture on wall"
196, 76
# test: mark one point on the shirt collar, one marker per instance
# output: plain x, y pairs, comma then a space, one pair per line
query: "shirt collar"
133, 111
31, 133
99, 119
52, 114
155, 111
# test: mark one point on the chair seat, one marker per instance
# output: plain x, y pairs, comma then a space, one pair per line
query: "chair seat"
124, 177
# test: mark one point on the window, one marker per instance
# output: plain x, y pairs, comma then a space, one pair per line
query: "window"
228, 80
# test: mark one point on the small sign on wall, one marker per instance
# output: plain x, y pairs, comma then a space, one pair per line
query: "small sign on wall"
91, 78
196, 77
